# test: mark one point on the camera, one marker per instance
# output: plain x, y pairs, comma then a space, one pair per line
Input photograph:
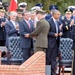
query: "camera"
2, 20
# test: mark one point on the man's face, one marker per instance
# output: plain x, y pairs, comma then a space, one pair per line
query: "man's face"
68, 15
13, 17
33, 16
57, 15
38, 16
26, 16
19, 15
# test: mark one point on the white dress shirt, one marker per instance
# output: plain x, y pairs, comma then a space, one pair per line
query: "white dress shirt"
14, 23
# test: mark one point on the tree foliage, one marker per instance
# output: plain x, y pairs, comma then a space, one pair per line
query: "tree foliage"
62, 4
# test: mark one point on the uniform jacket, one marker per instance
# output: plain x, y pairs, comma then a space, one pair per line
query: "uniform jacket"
66, 28
41, 33
2, 33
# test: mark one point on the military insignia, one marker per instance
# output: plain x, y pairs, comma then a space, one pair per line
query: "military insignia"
66, 27
68, 10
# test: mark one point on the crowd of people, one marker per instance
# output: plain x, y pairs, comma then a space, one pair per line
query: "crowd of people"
38, 31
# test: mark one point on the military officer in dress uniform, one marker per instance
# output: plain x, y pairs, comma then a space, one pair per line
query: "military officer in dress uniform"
39, 5
67, 23
6, 7
35, 8
2, 27
23, 6
19, 15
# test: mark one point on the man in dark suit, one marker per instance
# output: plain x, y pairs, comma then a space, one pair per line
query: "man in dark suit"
26, 43
53, 41
40, 32
11, 27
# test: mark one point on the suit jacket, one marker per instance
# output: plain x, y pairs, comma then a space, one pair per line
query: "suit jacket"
31, 22
41, 33
52, 40
10, 31
24, 29
2, 33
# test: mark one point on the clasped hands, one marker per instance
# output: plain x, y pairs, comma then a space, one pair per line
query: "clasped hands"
60, 34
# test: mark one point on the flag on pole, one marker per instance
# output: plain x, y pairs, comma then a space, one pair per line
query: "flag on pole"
13, 5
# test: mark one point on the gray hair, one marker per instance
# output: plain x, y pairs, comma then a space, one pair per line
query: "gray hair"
55, 11
13, 13
33, 12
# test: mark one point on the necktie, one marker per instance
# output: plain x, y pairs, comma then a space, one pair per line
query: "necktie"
33, 22
56, 24
28, 24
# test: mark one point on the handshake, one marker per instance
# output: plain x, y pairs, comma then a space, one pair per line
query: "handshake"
26, 35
